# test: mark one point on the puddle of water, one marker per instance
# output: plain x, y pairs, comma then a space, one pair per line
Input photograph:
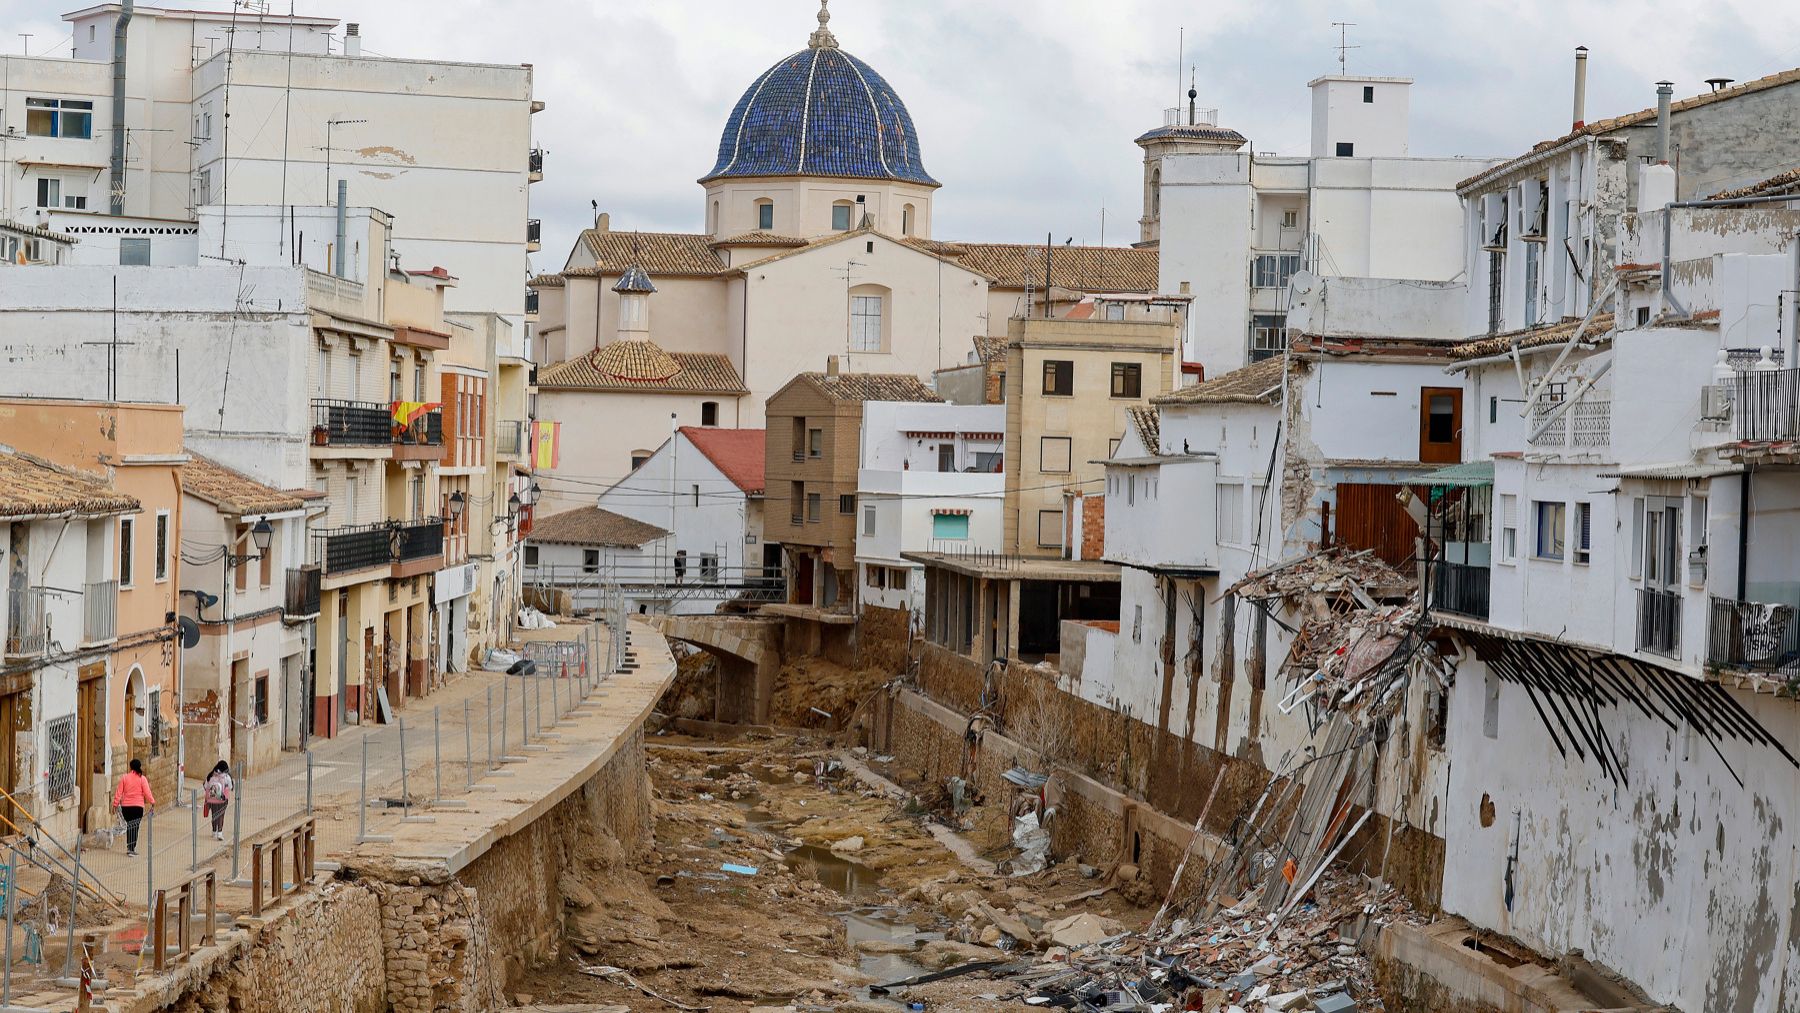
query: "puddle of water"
840, 875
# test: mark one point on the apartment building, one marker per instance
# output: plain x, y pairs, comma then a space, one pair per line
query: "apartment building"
60, 527
1069, 384
1233, 226
414, 137
813, 444
129, 583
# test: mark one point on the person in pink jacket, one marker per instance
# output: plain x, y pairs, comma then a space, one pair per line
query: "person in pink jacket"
132, 798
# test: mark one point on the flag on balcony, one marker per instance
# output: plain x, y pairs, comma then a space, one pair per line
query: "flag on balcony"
546, 447
406, 411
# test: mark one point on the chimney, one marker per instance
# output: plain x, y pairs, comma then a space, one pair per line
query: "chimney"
1664, 90
342, 231
603, 222
833, 366
353, 39
1580, 87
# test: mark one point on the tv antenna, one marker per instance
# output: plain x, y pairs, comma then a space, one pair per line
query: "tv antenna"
1344, 47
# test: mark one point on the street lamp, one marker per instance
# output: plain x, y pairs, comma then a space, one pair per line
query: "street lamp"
513, 503
457, 504
260, 536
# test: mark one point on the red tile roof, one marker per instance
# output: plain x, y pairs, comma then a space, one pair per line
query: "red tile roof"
736, 452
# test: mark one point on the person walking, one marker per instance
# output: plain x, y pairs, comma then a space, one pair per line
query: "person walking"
218, 797
133, 798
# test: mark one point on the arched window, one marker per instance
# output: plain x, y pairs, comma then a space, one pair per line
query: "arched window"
841, 215
638, 457
1156, 192
712, 218
870, 323
906, 220
765, 214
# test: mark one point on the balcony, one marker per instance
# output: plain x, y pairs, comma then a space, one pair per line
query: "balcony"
1659, 621
409, 547
531, 302
1751, 636
418, 547
422, 440
100, 611
1766, 405
534, 235
1460, 588
1586, 423
535, 164
339, 423
509, 438
27, 623
302, 592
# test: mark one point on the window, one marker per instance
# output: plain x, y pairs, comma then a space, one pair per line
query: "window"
1584, 543
1493, 410
1368, 93
1274, 270
897, 578
61, 768
1056, 454
419, 385
638, 457
462, 416
531, 555
709, 413
59, 117
1496, 290
950, 526
49, 193
1440, 425
840, 216
1550, 518
1509, 527
206, 125
696, 495
1130, 489
125, 527
1290, 219
815, 443
134, 252
709, 566
590, 560
1127, 379
162, 546
1345, 149
846, 504
1659, 547
765, 215
203, 190
906, 220
799, 439
989, 462
796, 502
259, 699
868, 521
1059, 377
865, 323
813, 508
1231, 512
1268, 335
946, 460
1533, 305
1050, 529
875, 576
1115, 311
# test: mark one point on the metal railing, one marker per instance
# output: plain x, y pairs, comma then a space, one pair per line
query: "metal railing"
1753, 636
509, 438
100, 611
353, 547
1766, 405
1586, 423
27, 622
1659, 621
302, 591
1460, 588
340, 423
427, 430
1745, 359
531, 300
659, 587
536, 161
420, 539
534, 230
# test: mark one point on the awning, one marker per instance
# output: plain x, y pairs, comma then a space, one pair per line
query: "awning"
951, 511
1691, 469
1465, 475
930, 434
984, 436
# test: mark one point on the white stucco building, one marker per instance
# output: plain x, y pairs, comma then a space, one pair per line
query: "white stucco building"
931, 478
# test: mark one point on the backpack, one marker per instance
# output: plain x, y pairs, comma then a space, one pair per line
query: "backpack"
215, 789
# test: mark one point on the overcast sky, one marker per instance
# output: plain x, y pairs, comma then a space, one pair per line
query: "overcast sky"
1026, 109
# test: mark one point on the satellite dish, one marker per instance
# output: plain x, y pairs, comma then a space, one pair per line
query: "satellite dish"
190, 632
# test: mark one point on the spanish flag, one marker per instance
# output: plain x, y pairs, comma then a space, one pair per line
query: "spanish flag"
546, 445
406, 411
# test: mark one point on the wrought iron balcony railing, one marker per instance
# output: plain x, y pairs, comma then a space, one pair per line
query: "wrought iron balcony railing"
1753, 636
1460, 588
100, 611
1659, 621
27, 622
302, 591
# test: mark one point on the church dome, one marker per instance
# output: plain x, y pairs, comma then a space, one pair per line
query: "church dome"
820, 112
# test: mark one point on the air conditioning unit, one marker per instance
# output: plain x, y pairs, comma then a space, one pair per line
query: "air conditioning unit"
1696, 561
1715, 403
1493, 222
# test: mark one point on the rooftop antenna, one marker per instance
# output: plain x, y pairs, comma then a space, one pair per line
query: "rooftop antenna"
1193, 93
1180, 58
27, 37
1344, 47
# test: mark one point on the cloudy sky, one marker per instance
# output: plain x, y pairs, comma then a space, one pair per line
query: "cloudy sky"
1026, 108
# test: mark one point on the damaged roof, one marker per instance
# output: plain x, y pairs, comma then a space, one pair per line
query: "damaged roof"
1599, 331
231, 491
1780, 184
30, 486
1148, 425
1256, 383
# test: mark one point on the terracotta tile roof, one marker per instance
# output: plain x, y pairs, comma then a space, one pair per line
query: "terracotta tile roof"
989, 349
1148, 424
1781, 183
1259, 382
658, 253
642, 366
1600, 330
759, 239
594, 526
546, 281
736, 452
31, 485
1080, 268
871, 387
1607, 126
233, 492
38, 231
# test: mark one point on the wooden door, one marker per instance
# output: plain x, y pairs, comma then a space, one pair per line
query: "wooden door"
90, 735
1440, 425
236, 721
366, 696
10, 711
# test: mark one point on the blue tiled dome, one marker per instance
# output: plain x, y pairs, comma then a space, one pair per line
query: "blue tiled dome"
820, 112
